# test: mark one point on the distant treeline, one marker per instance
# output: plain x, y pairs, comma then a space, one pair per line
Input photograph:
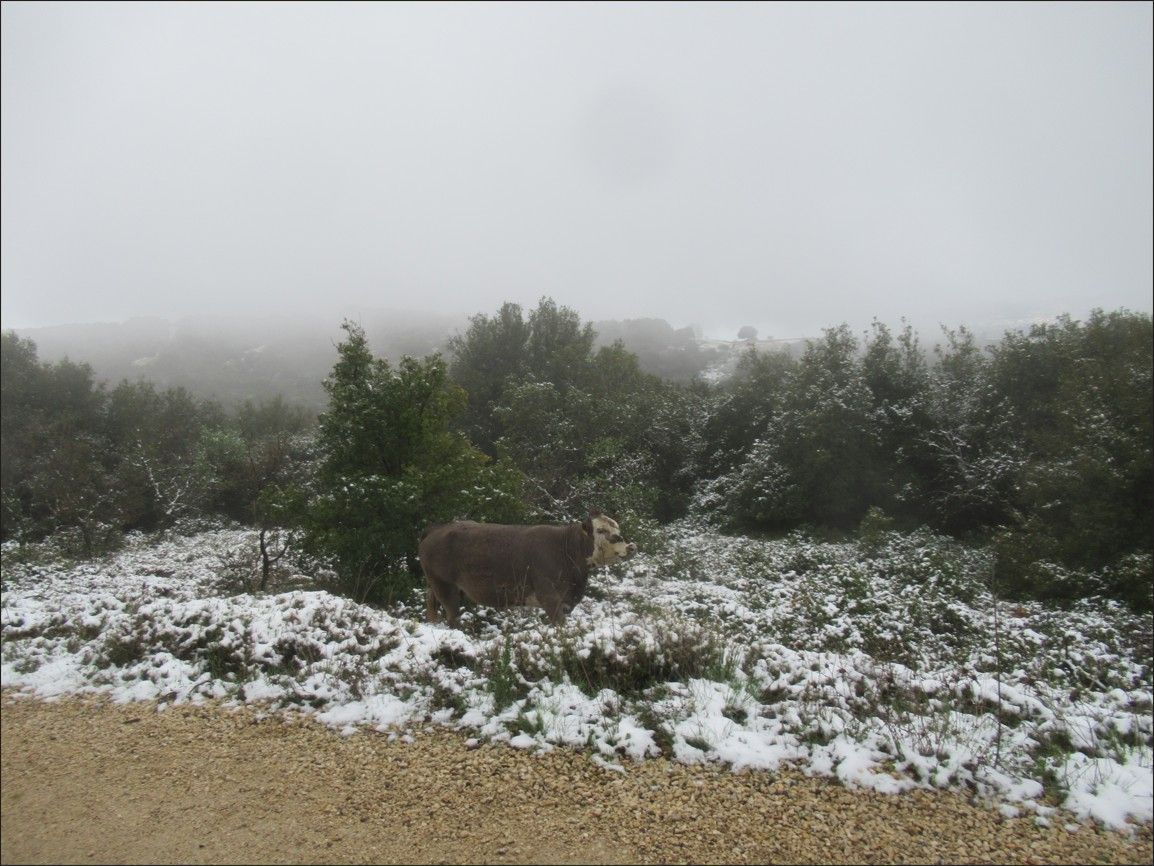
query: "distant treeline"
1041, 445
231, 360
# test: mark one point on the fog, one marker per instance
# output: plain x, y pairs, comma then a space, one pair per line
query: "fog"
785, 166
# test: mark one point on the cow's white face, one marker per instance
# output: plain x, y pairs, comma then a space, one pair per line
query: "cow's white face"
608, 545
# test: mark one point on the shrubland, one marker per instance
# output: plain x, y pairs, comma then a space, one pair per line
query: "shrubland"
887, 663
895, 566
1039, 447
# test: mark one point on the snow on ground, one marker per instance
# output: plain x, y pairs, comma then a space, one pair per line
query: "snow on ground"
886, 666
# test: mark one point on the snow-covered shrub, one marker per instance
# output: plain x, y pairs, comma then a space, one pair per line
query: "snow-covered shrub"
889, 666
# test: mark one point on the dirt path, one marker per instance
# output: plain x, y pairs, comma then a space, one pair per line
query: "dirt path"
90, 782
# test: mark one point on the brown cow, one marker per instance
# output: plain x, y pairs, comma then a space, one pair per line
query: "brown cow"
506, 566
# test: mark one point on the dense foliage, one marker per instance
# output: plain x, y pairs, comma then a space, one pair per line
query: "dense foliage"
390, 465
1040, 445
87, 463
1044, 444
585, 425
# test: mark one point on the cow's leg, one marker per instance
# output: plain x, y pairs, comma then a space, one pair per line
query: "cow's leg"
448, 595
432, 604
555, 608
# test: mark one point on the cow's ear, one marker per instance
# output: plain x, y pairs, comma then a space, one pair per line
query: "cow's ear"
594, 512
587, 526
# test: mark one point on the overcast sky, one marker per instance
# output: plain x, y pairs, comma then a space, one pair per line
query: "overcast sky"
787, 166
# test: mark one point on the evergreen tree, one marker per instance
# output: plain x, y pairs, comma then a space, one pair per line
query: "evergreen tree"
499, 353
54, 470
817, 460
1082, 395
389, 465
971, 454
158, 439
585, 428
487, 358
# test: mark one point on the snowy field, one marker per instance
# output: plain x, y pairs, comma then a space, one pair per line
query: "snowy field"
885, 665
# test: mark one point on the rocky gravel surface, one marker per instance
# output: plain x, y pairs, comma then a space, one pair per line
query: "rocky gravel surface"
86, 781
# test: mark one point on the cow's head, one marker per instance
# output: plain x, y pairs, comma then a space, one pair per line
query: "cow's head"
608, 545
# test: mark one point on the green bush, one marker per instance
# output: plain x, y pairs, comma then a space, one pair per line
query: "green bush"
389, 465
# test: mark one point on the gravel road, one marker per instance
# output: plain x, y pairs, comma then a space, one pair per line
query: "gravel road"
85, 781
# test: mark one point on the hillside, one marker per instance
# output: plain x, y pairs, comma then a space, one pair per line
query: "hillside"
233, 359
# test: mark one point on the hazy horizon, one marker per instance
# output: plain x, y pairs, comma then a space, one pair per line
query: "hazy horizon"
790, 167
